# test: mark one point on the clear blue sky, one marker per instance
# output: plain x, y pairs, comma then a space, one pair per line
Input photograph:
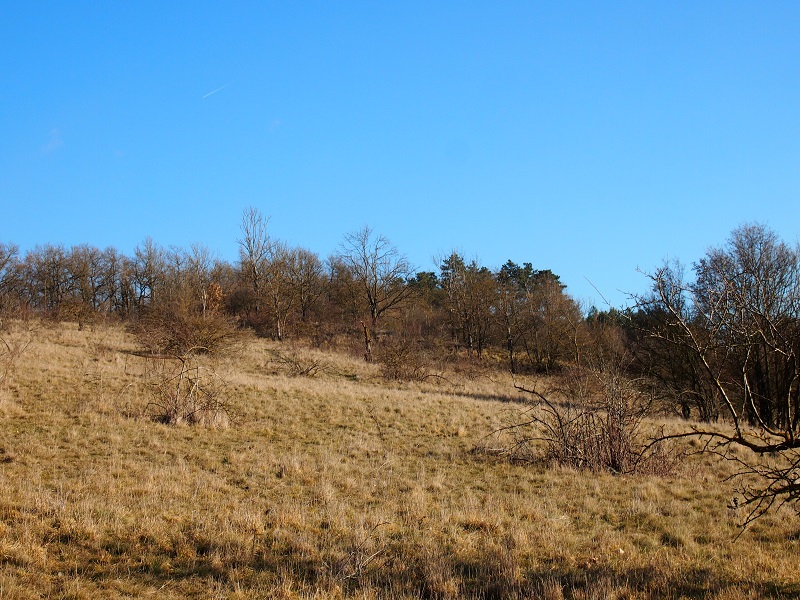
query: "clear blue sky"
589, 138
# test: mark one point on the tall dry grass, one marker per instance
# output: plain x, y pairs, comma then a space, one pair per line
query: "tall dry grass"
337, 485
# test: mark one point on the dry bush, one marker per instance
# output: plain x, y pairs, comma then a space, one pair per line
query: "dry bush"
404, 359
598, 427
15, 337
298, 366
176, 332
184, 391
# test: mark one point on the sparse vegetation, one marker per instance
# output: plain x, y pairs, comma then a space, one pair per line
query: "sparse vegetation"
339, 486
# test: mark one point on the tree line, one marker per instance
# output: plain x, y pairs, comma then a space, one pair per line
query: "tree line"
366, 289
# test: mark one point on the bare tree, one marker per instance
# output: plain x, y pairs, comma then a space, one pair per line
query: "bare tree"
8, 260
199, 264
379, 269
307, 276
149, 267
281, 280
294, 283
740, 321
344, 301
279, 286
48, 277
255, 247
119, 272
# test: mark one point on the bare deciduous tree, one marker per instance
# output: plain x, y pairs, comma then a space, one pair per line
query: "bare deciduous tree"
149, 266
379, 269
8, 259
740, 322
254, 251
279, 286
308, 281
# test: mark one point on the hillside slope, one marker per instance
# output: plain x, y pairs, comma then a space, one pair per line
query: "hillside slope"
339, 485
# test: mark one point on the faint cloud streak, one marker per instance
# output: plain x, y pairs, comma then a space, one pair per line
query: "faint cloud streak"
219, 89
54, 141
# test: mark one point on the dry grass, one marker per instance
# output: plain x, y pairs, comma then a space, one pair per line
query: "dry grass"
336, 486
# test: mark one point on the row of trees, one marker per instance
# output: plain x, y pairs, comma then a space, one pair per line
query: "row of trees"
366, 288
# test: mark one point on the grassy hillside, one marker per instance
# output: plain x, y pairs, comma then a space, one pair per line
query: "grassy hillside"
338, 485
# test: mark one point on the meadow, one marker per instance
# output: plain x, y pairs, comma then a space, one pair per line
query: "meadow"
327, 481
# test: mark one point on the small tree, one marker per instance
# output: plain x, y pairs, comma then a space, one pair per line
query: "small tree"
379, 270
254, 249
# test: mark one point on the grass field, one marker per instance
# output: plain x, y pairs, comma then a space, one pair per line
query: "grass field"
339, 485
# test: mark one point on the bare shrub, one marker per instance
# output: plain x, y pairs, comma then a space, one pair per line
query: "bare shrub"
15, 337
296, 365
184, 391
598, 426
404, 359
174, 332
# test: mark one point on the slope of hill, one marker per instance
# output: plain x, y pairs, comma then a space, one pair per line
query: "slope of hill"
335, 484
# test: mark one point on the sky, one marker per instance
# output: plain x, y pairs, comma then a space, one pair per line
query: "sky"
594, 139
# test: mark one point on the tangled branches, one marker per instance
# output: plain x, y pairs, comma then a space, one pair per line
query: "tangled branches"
183, 391
597, 427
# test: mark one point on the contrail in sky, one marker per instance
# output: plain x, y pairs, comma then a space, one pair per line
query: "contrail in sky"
216, 90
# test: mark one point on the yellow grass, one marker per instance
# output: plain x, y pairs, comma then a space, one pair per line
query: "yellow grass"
336, 486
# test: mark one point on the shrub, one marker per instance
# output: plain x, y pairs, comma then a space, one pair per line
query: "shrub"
404, 359
597, 427
184, 391
298, 366
15, 337
180, 333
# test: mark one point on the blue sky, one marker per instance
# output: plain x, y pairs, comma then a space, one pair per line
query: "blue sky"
589, 138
